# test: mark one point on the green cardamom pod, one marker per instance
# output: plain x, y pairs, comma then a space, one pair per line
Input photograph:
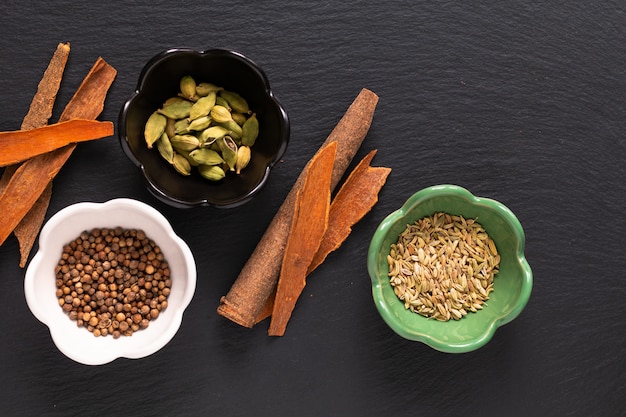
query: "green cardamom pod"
201, 123
173, 100
155, 126
250, 130
221, 101
164, 146
176, 110
236, 102
240, 118
170, 128
203, 89
210, 134
243, 158
235, 131
188, 87
188, 158
205, 156
181, 164
181, 126
211, 172
185, 142
228, 147
220, 114
227, 143
192, 99
203, 106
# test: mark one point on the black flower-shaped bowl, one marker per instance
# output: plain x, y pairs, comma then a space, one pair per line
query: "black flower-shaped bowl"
158, 81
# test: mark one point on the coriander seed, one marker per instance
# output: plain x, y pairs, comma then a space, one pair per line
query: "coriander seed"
112, 281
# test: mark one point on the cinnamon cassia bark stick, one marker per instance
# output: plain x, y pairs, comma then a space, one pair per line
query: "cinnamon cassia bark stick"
257, 280
19, 145
355, 198
27, 230
41, 106
308, 226
31, 179
39, 113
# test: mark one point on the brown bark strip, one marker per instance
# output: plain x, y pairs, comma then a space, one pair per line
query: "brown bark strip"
355, 198
353, 201
27, 230
33, 176
38, 115
19, 145
310, 220
88, 101
258, 278
266, 311
43, 102
24, 188
6, 176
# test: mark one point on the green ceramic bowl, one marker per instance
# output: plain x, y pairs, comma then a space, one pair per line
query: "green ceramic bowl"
512, 285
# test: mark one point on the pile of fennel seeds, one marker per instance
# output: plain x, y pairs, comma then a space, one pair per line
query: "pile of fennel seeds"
443, 266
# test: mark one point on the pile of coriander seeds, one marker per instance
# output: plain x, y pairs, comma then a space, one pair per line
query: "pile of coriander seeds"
113, 281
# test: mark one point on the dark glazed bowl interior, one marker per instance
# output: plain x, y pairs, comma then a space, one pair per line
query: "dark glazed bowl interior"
158, 81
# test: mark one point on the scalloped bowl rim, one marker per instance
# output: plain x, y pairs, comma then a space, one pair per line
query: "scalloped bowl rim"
77, 343
379, 280
202, 201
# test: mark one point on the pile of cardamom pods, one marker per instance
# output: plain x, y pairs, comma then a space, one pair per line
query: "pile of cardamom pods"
204, 126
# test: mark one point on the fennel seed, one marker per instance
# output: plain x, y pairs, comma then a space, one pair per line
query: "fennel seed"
443, 266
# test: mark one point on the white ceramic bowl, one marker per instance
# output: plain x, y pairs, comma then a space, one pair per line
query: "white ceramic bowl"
78, 343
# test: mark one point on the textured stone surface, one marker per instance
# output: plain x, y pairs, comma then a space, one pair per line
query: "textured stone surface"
516, 101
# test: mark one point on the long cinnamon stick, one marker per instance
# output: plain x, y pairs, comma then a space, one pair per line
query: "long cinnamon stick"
308, 226
19, 145
33, 176
258, 278
39, 112
355, 198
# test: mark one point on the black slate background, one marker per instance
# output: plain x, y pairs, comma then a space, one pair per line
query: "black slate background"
520, 101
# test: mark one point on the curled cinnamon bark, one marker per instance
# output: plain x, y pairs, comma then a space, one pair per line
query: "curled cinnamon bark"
42, 104
257, 280
355, 198
39, 112
17, 146
33, 176
27, 230
310, 220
